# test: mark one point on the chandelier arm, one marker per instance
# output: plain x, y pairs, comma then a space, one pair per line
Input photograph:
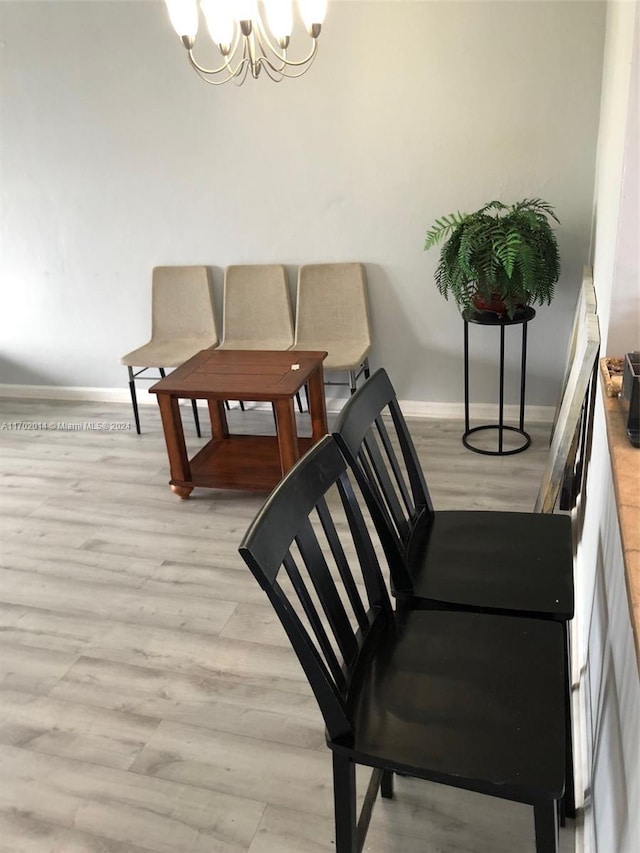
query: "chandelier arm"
226, 66
284, 70
263, 39
213, 82
277, 77
237, 76
241, 75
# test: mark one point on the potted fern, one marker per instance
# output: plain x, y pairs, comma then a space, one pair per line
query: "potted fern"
500, 258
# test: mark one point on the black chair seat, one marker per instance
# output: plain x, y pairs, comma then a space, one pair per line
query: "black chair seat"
504, 562
433, 704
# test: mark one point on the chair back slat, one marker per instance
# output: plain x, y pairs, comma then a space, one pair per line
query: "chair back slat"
330, 595
396, 468
317, 627
342, 563
418, 485
374, 437
374, 583
388, 474
328, 694
326, 590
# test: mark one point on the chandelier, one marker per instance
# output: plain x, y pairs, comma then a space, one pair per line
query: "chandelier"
247, 44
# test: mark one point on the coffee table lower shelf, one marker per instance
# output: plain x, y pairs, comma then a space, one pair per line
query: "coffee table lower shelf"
247, 462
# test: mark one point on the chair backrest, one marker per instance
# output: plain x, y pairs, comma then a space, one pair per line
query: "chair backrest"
586, 305
321, 576
182, 304
375, 440
332, 307
581, 376
257, 308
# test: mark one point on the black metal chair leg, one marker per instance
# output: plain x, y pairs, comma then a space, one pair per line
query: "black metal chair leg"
367, 372
546, 822
344, 796
227, 406
568, 805
196, 418
300, 409
134, 400
386, 786
241, 405
162, 372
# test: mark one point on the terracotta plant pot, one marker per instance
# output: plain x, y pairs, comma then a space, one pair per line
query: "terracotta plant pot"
494, 304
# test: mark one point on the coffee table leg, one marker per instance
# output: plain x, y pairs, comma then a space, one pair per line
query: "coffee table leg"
317, 404
287, 434
176, 447
219, 428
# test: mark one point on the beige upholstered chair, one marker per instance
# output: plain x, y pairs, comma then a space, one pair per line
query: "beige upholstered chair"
182, 323
257, 310
332, 314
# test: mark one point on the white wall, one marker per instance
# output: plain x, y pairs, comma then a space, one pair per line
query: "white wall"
116, 158
606, 665
624, 319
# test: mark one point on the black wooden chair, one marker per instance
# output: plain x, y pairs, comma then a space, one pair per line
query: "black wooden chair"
508, 563
470, 700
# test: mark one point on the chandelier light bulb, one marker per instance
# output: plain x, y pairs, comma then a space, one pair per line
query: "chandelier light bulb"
183, 15
280, 19
312, 12
220, 22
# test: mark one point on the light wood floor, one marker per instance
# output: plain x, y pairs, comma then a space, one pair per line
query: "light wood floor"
149, 700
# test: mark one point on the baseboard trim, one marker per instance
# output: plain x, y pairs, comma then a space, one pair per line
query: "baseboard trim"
72, 392
411, 408
484, 411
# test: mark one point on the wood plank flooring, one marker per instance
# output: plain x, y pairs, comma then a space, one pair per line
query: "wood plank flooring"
149, 702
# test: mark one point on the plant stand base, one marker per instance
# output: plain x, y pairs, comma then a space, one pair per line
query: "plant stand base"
489, 319
469, 446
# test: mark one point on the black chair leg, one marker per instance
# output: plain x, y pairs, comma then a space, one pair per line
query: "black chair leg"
386, 786
227, 406
134, 400
300, 409
344, 797
241, 405
196, 418
367, 372
546, 822
568, 805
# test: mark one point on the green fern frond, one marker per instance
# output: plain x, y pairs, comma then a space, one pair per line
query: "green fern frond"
493, 205
538, 205
505, 247
442, 228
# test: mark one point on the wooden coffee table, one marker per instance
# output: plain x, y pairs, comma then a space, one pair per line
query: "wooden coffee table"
250, 462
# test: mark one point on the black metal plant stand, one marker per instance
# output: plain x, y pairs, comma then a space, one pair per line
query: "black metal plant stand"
486, 318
